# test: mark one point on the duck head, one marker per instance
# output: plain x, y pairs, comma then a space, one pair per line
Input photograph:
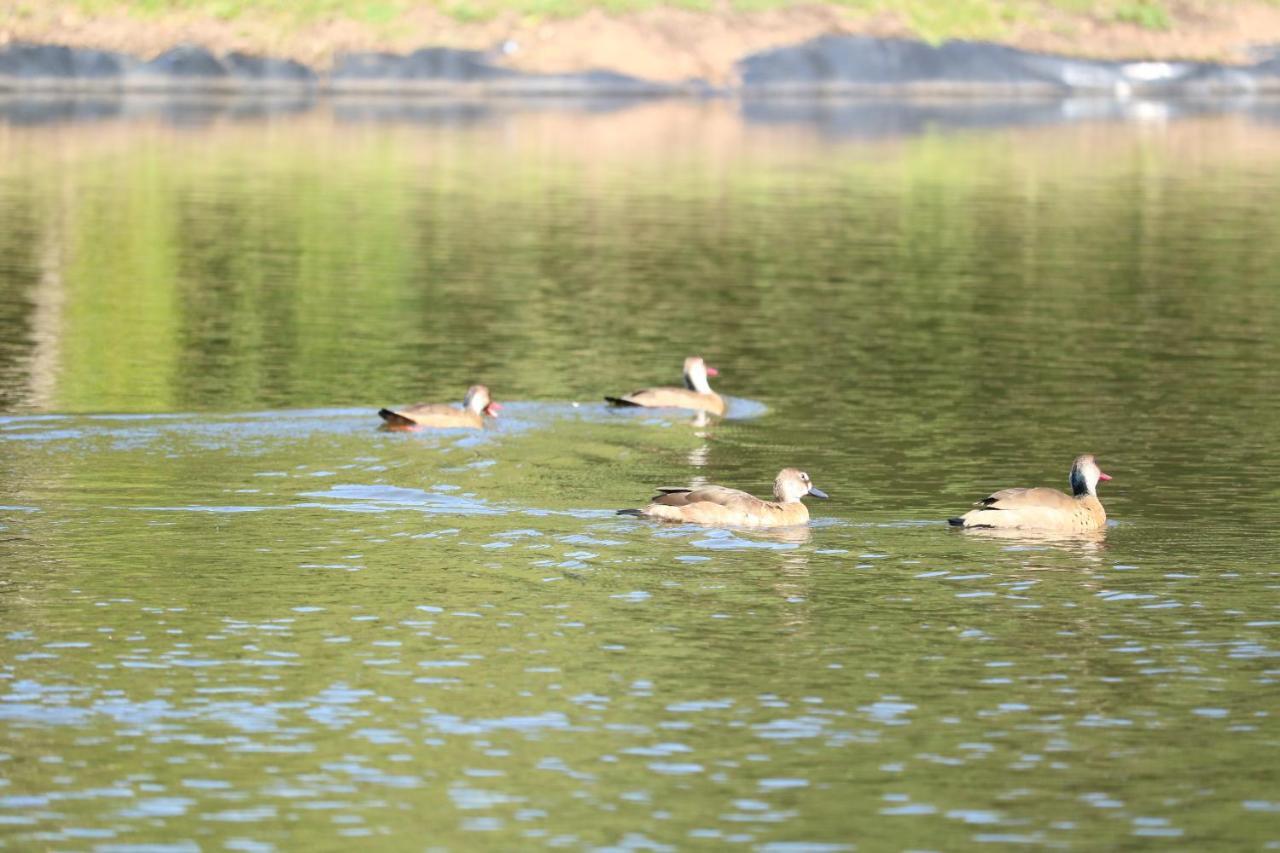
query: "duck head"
479, 401
793, 484
1085, 475
696, 372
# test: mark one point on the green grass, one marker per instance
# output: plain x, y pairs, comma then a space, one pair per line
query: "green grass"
932, 20
1144, 13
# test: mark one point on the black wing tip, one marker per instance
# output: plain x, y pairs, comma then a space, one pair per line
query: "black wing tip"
394, 418
632, 512
956, 522
618, 401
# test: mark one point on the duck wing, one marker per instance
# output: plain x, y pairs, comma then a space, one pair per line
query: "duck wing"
670, 398
430, 414
1024, 499
719, 495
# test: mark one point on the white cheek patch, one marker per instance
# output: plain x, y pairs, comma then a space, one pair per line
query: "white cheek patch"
1086, 477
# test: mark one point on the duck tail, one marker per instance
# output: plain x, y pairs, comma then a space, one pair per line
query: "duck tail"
956, 522
619, 401
394, 419
633, 512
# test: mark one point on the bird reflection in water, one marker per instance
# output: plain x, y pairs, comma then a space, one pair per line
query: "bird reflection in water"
1085, 542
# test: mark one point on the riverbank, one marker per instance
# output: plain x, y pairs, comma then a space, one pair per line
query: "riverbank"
657, 43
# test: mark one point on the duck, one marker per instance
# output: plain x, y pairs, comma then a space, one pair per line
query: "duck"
475, 406
724, 507
1043, 508
696, 393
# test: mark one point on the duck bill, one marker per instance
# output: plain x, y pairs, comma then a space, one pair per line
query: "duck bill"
492, 409
711, 371
1103, 477
814, 491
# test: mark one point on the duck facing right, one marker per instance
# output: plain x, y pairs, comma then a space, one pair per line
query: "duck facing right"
696, 393
477, 405
724, 507
1043, 508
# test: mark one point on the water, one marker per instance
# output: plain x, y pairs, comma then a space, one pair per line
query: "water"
238, 616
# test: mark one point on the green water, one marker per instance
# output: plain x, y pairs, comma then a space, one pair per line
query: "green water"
236, 616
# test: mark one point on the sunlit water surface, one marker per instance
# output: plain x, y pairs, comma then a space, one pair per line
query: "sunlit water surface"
238, 616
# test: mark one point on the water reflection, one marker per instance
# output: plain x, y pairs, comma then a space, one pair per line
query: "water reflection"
832, 116
697, 458
1091, 541
747, 538
237, 616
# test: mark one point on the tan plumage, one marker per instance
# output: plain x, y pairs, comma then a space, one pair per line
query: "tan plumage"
721, 506
475, 406
1045, 509
696, 394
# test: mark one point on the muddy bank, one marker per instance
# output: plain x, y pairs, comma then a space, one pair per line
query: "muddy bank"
667, 43
827, 65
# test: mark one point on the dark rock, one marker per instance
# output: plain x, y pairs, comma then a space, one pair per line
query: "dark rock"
856, 63
267, 69
445, 66
36, 60
56, 62
367, 66
1269, 67
595, 81
186, 61
1263, 52
1071, 75
444, 63
89, 64
606, 79
1199, 79
428, 64
862, 62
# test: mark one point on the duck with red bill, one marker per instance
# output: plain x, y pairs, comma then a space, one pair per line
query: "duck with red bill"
696, 393
475, 406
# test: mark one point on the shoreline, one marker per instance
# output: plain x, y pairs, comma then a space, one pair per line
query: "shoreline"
663, 44
829, 65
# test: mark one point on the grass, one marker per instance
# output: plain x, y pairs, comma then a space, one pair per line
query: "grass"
1146, 14
932, 20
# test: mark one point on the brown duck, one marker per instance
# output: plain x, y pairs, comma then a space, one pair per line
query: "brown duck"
696, 393
475, 406
1045, 509
720, 506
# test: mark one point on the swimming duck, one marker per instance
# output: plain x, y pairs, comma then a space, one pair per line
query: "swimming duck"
696, 393
475, 405
1045, 509
717, 505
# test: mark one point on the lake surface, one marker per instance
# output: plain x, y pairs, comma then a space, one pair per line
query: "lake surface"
237, 616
